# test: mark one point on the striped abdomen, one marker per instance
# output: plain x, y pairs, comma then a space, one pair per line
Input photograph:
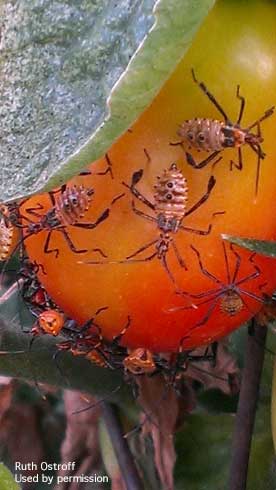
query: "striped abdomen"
72, 204
171, 194
203, 134
231, 303
9, 236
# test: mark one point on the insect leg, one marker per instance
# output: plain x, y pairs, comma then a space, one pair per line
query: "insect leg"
140, 213
210, 96
242, 99
46, 249
252, 295
51, 194
203, 163
33, 211
203, 270
166, 267
267, 113
116, 339
238, 165
211, 184
201, 232
102, 217
70, 243
178, 256
255, 274
208, 314
136, 177
104, 172
90, 226
141, 249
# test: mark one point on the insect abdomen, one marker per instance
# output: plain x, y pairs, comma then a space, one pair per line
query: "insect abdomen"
72, 204
203, 134
8, 238
231, 303
171, 193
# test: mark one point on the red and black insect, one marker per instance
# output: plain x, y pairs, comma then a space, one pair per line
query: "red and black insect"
88, 341
213, 135
49, 322
170, 208
229, 295
32, 291
140, 361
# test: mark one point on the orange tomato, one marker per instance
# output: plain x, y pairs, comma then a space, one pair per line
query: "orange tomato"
236, 45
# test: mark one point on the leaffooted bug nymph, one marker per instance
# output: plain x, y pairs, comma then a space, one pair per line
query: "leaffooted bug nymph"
68, 208
213, 135
230, 295
170, 209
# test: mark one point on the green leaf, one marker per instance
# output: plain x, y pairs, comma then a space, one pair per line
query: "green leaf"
6, 479
263, 247
75, 75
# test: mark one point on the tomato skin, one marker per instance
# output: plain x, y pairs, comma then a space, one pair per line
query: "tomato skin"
236, 45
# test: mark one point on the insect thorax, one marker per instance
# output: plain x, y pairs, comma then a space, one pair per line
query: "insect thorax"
72, 204
170, 198
231, 303
203, 134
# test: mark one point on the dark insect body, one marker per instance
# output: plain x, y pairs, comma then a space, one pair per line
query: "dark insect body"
88, 341
33, 293
229, 295
213, 135
170, 208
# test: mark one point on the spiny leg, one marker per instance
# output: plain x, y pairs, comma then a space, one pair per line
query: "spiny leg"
203, 163
210, 186
211, 97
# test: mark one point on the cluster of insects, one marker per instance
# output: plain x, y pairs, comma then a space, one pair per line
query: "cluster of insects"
167, 211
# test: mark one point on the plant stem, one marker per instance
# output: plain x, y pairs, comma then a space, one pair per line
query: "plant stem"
245, 417
121, 448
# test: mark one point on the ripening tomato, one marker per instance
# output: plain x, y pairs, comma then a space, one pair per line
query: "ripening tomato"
235, 46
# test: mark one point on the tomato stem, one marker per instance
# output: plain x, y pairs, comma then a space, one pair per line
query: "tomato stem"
245, 417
